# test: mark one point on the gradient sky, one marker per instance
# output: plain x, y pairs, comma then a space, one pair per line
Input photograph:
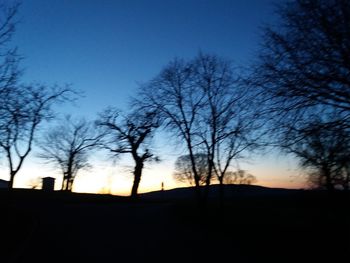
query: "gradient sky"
105, 48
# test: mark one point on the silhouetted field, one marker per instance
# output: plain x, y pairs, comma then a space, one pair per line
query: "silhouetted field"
253, 225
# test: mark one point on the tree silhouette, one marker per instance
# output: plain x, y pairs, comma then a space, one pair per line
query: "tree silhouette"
35, 183
183, 169
303, 67
203, 103
9, 59
22, 107
304, 63
303, 73
324, 150
129, 134
23, 112
239, 177
177, 102
68, 146
227, 124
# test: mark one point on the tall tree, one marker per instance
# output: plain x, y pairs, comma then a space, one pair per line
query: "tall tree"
9, 59
215, 81
129, 134
68, 146
201, 102
304, 64
177, 102
22, 107
228, 124
303, 72
9, 72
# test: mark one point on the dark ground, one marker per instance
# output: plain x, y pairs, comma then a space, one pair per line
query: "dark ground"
255, 224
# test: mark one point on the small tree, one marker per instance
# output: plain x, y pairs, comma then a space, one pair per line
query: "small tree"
129, 134
35, 183
68, 146
323, 150
183, 169
239, 177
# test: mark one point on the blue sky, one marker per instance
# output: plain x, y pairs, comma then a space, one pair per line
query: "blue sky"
106, 48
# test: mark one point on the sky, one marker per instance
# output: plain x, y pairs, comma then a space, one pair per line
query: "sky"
107, 48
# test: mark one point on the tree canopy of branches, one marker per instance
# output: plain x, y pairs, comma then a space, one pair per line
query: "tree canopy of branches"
22, 107
23, 110
9, 59
183, 172
304, 64
203, 103
240, 177
303, 72
324, 151
183, 169
68, 146
129, 134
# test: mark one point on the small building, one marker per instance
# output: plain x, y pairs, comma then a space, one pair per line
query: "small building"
4, 184
48, 183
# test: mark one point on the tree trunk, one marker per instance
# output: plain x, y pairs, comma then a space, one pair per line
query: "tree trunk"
137, 178
346, 183
67, 182
63, 180
221, 191
69, 173
347, 178
194, 169
207, 181
195, 174
12, 178
329, 183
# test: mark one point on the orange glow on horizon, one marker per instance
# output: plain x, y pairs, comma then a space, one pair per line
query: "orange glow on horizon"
117, 180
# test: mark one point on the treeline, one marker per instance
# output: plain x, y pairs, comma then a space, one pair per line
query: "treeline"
295, 96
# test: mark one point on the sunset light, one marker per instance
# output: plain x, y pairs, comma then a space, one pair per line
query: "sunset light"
174, 131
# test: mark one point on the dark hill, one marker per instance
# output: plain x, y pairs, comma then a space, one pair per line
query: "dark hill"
230, 191
255, 224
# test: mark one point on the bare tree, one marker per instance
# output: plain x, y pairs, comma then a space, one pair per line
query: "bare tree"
183, 169
229, 123
204, 103
305, 61
68, 146
177, 101
35, 183
221, 93
129, 135
323, 150
304, 64
303, 73
22, 107
9, 59
240, 177
25, 109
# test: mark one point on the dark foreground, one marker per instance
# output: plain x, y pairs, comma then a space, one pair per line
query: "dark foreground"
254, 225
